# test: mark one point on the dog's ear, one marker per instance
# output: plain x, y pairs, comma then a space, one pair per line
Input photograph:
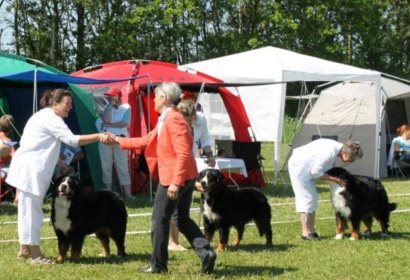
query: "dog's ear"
75, 175
201, 175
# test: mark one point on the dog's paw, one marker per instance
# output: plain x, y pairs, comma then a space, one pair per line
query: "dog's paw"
385, 235
339, 236
59, 259
352, 238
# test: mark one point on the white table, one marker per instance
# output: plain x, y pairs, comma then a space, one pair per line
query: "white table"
230, 165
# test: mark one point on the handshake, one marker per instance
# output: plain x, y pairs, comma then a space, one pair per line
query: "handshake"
108, 138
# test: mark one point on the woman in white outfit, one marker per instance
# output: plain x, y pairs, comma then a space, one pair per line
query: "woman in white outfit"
310, 162
32, 166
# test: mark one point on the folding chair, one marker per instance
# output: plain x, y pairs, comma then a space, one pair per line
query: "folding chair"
250, 152
397, 166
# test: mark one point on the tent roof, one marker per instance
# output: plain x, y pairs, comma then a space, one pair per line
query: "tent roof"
15, 63
269, 63
42, 76
150, 72
394, 87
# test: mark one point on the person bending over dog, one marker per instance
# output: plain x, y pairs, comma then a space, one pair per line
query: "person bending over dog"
32, 167
310, 162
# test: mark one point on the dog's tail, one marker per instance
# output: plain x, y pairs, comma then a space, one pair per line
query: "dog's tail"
392, 207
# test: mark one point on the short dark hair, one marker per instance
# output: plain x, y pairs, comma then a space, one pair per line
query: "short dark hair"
56, 95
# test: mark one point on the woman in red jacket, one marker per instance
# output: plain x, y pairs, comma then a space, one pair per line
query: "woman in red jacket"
168, 151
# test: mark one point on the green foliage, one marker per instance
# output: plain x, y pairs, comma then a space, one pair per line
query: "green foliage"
73, 34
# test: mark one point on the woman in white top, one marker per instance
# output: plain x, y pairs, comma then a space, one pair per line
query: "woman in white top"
310, 162
32, 166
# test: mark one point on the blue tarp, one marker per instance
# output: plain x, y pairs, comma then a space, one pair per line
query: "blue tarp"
28, 76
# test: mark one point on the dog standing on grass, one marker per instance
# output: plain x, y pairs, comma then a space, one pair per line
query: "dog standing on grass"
360, 199
75, 215
225, 207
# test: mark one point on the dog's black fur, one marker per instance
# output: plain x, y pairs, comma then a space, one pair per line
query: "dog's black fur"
75, 215
361, 199
225, 207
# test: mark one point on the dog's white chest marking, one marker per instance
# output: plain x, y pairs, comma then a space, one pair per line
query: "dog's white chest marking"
209, 214
62, 222
338, 200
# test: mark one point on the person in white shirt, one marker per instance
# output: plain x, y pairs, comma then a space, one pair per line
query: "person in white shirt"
33, 163
310, 162
116, 120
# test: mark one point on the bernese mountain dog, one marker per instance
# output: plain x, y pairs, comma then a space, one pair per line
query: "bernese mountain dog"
360, 199
224, 207
75, 215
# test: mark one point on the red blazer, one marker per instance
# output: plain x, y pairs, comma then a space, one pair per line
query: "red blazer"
169, 156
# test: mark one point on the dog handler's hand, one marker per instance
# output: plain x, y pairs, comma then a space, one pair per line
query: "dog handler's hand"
198, 186
173, 192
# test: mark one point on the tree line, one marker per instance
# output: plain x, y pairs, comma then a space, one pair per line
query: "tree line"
73, 34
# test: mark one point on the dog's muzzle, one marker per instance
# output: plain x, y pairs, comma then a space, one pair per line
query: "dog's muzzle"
63, 190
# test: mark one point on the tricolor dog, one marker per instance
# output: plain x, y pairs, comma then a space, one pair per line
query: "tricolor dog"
75, 215
360, 199
225, 207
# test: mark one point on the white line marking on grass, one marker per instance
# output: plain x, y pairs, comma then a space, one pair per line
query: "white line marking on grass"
197, 209
148, 232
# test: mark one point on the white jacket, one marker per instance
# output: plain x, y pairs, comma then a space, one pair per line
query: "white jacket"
32, 165
317, 157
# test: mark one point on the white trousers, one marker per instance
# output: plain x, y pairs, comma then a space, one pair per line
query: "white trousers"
110, 154
30, 218
303, 185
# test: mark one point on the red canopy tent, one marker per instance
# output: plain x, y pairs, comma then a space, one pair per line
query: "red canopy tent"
147, 74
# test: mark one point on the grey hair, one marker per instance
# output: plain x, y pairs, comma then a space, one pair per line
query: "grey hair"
353, 149
171, 91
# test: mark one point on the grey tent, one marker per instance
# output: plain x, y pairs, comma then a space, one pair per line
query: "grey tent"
356, 111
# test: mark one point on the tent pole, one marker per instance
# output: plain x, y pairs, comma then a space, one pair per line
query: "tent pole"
149, 129
378, 127
35, 91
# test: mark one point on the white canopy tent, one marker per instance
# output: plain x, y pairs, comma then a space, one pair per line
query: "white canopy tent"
265, 104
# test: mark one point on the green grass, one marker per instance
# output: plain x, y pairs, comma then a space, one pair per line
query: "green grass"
370, 258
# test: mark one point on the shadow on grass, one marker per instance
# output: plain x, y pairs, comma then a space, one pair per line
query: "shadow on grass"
261, 247
392, 235
243, 271
375, 236
8, 210
141, 200
115, 259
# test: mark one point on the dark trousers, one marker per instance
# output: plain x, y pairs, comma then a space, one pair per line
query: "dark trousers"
161, 216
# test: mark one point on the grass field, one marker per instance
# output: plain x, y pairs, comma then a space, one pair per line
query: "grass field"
370, 258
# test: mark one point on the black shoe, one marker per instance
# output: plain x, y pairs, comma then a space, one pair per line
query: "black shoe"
311, 237
208, 263
149, 269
